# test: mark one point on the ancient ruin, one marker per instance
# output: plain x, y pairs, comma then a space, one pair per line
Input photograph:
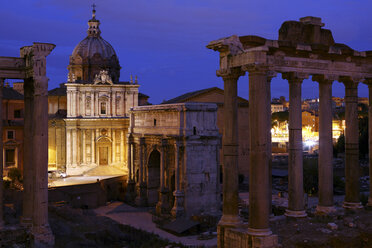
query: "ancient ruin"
31, 67
304, 48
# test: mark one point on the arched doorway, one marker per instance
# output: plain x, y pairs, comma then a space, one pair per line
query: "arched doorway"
103, 151
153, 178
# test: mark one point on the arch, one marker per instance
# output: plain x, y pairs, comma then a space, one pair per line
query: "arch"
153, 177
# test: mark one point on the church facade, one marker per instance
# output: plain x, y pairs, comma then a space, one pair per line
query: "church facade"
169, 152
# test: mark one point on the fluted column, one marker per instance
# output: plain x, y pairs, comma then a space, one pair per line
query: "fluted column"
259, 181
230, 180
351, 144
296, 206
369, 82
162, 206
325, 167
1, 155
178, 208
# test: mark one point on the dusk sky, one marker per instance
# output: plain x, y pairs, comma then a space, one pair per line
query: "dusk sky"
163, 41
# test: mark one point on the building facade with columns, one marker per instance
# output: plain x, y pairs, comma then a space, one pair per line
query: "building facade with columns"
303, 49
94, 129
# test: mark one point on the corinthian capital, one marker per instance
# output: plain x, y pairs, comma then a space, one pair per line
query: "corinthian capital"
295, 77
324, 79
231, 73
256, 68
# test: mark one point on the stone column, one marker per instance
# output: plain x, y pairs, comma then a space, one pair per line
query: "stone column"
270, 75
130, 194
1, 155
28, 168
141, 199
325, 167
369, 82
296, 204
84, 146
113, 111
68, 147
178, 208
351, 144
230, 180
74, 146
121, 146
113, 145
259, 181
162, 206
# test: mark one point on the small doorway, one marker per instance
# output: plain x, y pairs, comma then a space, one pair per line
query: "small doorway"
103, 156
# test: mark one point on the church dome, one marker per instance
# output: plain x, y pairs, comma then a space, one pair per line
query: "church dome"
90, 46
92, 55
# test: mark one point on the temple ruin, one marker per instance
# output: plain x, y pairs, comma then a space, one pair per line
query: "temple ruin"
304, 48
31, 67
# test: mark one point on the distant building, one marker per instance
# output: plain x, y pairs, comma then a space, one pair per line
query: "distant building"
13, 110
276, 107
216, 95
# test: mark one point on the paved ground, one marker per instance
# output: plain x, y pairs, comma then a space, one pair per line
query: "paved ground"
141, 219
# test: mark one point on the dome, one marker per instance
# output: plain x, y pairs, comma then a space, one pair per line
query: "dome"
90, 46
92, 55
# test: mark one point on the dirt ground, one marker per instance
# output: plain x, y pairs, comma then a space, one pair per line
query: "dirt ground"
343, 229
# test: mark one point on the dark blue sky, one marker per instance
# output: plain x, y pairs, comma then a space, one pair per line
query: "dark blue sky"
163, 41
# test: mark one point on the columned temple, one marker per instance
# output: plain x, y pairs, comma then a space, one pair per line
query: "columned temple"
304, 48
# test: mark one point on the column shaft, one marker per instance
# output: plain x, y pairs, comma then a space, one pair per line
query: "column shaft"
74, 146
28, 168
351, 146
325, 147
84, 145
40, 159
121, 146
68, 147
370, 142
295, 160
162, 167
230, 151
1, 154
130, 159
93, 160
141, 163
113, 145
259, 182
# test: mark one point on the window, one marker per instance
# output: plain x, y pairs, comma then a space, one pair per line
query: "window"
103, 108
17, 113
154, 122
10, 134
9, 157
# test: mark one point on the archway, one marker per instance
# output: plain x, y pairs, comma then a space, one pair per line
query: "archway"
153, 178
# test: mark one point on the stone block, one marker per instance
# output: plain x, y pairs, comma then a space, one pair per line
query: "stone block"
239, 238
